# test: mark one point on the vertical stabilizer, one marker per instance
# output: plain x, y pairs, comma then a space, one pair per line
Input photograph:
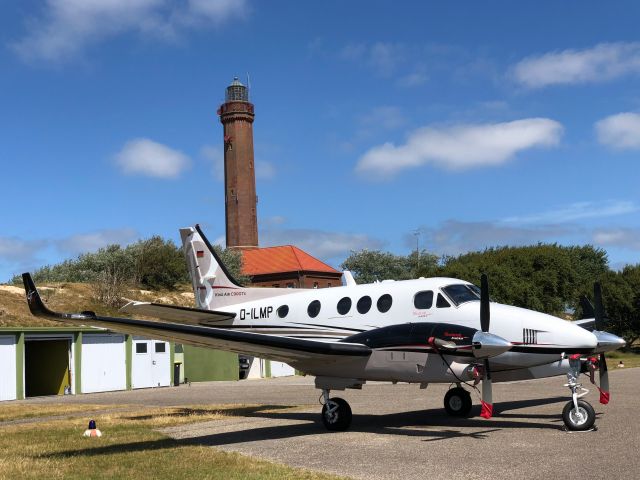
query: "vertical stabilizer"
213, 285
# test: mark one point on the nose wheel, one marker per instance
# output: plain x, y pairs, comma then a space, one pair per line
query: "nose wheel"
457, 402
577, 414
336, 413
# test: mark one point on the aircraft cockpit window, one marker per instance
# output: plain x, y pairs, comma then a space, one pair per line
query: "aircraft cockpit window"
384, 303
423, 300
344, 305
442, 302
283, 311
460, 293
314, 308
364, 304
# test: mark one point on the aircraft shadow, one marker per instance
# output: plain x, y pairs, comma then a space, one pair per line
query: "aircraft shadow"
432, 425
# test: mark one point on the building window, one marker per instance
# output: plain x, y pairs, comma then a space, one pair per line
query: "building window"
141, 347
423, 300
290, 285
315, 284
328, 284
384, 303
364, 304
442, 302
161, 347
283, 311
314, 308
344, 305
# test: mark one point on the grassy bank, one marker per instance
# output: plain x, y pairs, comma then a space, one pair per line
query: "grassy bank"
131, 446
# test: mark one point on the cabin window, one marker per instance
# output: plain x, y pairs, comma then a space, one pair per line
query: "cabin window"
461, 293
442, 302
283, 311
141, 347
314, 308
161, 347
384, 303
364, 304
423, 300
344, 305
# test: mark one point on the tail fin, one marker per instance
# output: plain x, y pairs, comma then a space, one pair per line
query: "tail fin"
213, 284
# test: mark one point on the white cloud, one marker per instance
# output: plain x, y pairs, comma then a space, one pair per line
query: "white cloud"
620, 131
384, 58
577, 211
92, 241
66, 27
319, 243
13, 249
454, 237
146, 157
628, 238
414, 79
461, 147
605, 61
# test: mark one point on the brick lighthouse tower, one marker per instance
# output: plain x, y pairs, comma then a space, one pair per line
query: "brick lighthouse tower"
236, 116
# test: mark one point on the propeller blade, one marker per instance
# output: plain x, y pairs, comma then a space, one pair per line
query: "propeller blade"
487, 395
599, 309
604, 380
484, 303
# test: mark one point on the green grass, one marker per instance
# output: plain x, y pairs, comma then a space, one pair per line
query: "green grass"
630, 359
130, 447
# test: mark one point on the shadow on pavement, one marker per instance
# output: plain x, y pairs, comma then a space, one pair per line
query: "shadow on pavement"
432, 424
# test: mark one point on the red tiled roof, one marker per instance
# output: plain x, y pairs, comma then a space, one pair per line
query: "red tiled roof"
285, 258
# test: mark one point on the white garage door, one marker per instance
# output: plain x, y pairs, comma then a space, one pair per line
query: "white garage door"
8, 365
103, 363
150, 364
280, 369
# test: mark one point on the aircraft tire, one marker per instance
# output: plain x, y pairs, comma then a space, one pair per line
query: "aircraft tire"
581, 422
457, 402
340, 419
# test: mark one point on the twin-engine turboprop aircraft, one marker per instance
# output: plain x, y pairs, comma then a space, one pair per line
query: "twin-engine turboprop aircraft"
421, 331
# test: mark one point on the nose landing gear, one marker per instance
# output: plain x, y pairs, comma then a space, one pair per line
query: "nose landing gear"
578, 415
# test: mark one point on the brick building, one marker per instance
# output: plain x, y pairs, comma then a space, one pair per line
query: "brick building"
282, 266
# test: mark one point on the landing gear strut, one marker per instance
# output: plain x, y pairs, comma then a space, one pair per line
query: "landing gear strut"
457, 402
578, 415
336, 413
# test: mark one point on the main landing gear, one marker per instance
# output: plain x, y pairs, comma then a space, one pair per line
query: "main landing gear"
336, 413
457, 402
577, 414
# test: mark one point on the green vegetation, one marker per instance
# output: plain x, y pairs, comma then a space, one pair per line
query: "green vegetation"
546, 278
154, 263
131, 447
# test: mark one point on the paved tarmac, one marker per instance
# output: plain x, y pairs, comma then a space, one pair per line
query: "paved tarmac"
402, 432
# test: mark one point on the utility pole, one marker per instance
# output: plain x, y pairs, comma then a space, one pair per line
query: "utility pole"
416, 232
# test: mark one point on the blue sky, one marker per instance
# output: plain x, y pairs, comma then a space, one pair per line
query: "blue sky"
474, 125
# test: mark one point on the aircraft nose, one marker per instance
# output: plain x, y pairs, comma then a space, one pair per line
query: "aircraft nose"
608, 341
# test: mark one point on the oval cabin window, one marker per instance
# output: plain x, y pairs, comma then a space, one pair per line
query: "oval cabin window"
314, 308
283, 311
384, 303
364, 304
344, 305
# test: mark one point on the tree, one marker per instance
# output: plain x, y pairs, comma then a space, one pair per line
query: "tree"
370, 265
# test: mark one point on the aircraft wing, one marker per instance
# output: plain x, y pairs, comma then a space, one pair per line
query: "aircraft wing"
273, 347
173, 313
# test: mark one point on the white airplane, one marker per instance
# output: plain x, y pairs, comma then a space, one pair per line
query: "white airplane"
430, 330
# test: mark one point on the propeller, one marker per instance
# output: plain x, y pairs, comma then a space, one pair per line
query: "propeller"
603, 371
485, 318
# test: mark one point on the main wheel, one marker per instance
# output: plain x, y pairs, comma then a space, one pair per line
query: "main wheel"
457, 402
336, 414
580, 420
